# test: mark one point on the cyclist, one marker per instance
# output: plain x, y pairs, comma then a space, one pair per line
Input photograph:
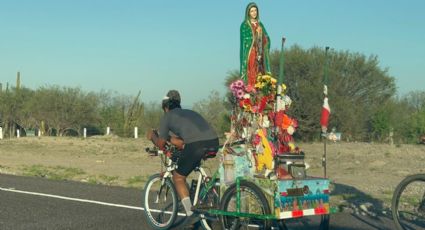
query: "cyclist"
189, 131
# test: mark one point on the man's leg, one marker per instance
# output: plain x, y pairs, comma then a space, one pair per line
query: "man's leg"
180, 183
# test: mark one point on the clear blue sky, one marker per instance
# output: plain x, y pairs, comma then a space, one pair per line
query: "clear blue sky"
153, 46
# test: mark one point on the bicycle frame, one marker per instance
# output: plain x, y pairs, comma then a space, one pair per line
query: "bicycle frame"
202, 175
202, 178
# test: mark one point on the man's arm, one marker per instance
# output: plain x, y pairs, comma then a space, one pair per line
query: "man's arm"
156, 140
178, 142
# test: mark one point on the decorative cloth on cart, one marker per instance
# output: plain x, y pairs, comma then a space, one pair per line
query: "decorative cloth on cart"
302, 198
236, 166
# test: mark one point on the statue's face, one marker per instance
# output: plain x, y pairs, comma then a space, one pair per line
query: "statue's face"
253, 12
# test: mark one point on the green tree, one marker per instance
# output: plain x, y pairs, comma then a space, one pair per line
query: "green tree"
152, 115
357, 88
112, 109
65, 109
214, 111
411, 116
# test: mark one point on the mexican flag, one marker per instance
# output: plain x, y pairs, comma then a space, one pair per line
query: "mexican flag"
326, 111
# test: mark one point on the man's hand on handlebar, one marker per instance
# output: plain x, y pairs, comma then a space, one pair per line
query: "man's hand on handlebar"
178, 142
156, 140
153, 136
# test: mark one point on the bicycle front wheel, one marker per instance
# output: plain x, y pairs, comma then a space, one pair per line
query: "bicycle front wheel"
408, 203
160, 202
252, 201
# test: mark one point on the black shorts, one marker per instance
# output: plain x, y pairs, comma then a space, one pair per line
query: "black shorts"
192, 155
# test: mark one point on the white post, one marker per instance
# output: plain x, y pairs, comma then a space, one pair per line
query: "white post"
85, 133
108, 130
18, 134
135, 133
39, 133
1, 133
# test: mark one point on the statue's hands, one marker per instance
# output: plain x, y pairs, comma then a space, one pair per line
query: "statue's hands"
259, 30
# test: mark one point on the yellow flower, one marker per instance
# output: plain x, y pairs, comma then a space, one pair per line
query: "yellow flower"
291, 146
247, 107
273, 80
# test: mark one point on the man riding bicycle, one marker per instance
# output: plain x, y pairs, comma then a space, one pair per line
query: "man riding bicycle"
189, 131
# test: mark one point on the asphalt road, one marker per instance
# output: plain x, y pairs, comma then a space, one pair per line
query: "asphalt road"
37, 203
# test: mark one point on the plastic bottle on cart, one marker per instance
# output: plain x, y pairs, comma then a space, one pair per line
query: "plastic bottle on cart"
229, 171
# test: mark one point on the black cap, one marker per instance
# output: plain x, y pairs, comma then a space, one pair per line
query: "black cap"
174, 95
171, 100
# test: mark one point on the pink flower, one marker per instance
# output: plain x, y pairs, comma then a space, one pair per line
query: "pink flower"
239, 83
240, 93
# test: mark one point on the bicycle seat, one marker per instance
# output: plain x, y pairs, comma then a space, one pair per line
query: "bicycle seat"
210, 152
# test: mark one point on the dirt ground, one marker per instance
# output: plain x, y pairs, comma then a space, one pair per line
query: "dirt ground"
364, 175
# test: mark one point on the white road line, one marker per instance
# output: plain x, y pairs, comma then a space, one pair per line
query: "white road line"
70, 198
85, 200
80, 200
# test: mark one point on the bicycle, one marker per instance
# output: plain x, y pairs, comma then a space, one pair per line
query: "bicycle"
241, 205
408, 203
161, 198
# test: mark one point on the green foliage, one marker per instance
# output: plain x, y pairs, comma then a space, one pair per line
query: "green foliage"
380, 123
65, 109
408, 118
214, 111
137, 181
152, 115
54, 173
112, 111
361, 97
102, 179
357, 87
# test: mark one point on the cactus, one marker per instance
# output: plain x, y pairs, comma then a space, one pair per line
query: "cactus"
18, 80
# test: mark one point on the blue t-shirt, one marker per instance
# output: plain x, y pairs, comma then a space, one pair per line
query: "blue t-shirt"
187, 124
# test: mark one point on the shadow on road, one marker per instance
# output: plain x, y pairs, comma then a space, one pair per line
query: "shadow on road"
366, 209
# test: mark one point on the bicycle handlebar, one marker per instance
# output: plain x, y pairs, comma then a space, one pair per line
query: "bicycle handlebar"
170, 151
152, 150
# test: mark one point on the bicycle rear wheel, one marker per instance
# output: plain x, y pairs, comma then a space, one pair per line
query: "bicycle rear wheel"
160, 202
252, 200
408, 203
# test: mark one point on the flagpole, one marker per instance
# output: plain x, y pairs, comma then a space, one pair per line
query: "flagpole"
281, 63
278, 96
325, 94
280, 79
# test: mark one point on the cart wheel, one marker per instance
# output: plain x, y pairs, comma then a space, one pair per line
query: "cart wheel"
252, 200
324, 223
